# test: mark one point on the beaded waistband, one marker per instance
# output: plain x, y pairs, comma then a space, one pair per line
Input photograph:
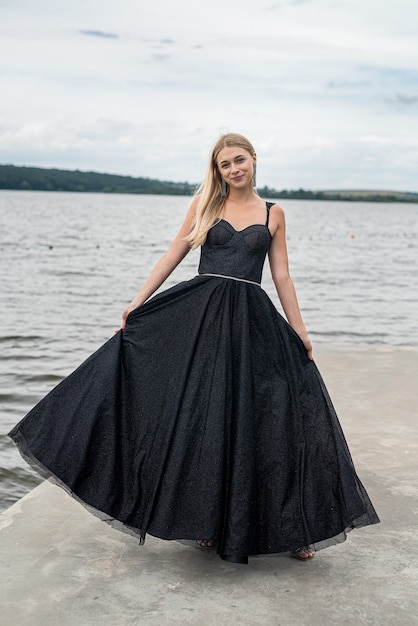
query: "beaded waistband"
241, 280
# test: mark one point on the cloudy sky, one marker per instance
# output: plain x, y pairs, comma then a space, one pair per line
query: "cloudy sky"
327, 90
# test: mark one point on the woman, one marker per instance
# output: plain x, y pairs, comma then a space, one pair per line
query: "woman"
206, 419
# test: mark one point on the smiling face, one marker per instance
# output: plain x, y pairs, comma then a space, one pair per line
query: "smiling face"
236, 166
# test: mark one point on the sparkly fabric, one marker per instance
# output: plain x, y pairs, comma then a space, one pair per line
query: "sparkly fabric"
204, 419
235, 253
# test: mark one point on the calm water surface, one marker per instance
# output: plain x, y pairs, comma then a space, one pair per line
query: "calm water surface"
69, 263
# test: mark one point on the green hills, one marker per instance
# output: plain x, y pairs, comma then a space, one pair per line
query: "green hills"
44, 179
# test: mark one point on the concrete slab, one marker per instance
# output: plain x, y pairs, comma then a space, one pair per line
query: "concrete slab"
61, 566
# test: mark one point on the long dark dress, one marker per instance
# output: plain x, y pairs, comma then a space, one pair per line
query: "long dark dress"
204, 419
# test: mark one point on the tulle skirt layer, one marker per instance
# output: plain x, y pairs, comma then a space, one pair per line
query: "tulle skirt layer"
204, 419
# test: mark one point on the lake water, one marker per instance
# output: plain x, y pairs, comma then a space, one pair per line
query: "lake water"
69, 264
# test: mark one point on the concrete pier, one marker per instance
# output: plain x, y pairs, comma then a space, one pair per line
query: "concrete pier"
60, 566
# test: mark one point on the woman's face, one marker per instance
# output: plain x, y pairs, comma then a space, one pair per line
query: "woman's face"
236, 166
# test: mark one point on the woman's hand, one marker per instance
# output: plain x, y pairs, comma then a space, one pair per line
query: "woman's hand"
168, 262
308, 345
280, 273
131, 307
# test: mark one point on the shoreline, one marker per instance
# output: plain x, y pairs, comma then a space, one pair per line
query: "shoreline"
75, 181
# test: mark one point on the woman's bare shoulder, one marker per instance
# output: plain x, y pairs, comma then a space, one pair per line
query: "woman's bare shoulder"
276, 208
276, 214
276, 219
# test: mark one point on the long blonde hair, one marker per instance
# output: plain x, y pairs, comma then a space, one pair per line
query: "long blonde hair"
211, 201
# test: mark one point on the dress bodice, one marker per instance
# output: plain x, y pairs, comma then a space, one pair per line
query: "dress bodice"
237, 253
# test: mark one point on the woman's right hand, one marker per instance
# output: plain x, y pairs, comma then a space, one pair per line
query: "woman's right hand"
131, 307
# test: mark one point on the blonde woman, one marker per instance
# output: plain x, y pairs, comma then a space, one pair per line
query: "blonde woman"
206, 418
228, 193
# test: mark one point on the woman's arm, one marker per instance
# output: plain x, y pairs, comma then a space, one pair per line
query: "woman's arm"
280, 273
166, 265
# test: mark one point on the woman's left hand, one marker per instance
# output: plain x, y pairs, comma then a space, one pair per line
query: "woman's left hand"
308, 345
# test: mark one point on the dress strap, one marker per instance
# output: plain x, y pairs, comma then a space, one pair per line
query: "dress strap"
268, 207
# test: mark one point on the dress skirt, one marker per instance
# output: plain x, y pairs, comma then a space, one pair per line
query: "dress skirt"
203, 419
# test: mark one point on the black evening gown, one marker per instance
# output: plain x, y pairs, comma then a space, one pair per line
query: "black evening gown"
204, 419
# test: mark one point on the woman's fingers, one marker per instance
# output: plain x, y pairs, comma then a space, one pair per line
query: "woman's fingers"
124, 317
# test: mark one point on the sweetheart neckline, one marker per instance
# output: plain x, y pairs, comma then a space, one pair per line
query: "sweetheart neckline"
243, 229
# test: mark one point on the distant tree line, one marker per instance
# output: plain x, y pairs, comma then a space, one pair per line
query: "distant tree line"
352, 196
43, 179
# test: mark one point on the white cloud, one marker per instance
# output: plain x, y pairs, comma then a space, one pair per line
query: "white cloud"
120, 89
